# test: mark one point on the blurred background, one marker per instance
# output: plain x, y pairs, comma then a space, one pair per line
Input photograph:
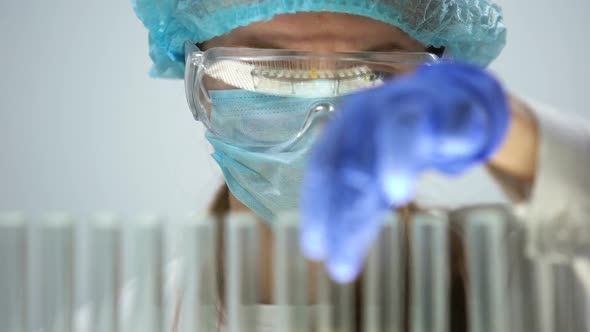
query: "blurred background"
84, 129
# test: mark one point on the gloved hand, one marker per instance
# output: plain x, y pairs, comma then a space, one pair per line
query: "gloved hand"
445, 117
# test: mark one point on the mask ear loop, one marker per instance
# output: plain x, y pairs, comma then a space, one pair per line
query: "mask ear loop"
320, 110
193, 60
320, 107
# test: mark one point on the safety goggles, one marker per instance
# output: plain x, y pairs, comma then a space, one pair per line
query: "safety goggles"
239, 93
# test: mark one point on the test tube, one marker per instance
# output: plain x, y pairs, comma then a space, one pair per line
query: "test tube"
13, 259
581, 270
520, 293
383, 282
543, 282
242, 271
323, 306
50, 271
206, 264
487, 270
333, 309
102, 265
344, 318
139, 301
570, 300
290, 276
179, 284
429, 273
531, 294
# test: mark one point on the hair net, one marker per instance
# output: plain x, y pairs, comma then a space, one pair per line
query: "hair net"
472, 30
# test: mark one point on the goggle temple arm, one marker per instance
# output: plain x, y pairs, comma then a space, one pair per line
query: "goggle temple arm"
193, 57
190, 48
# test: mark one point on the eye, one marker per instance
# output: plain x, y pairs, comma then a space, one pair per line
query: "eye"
377, 76
438, 51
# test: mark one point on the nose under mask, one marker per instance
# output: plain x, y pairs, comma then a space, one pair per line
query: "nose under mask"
266, 180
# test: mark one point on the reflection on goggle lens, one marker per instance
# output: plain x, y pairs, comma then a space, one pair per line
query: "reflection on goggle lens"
314, 73
299, 78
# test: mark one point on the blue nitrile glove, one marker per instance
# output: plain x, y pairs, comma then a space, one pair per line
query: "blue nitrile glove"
447, 117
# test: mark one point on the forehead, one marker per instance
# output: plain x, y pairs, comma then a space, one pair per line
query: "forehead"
334, 31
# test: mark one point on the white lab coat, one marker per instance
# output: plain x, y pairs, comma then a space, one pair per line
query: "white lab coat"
556, 208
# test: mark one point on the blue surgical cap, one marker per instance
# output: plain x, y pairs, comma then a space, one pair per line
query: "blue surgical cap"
472, 30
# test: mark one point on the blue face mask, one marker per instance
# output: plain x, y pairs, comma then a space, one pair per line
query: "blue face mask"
267, 180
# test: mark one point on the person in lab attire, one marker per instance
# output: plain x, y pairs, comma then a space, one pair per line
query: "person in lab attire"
443, 134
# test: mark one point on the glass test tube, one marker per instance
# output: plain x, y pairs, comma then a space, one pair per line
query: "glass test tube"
429, 273
323, 307
177, 298
206, 261
544, 313
50, 271
570, 306
179, 284
487, 270
344, 318
242, 271
102, 264
290, 276
581, 270
139, 301
13, 259
334, 305
334, 308
521, 296
383, 287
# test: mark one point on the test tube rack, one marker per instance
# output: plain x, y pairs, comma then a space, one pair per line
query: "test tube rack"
203, 274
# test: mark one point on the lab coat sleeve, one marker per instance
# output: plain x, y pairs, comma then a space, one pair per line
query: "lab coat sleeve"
557, 212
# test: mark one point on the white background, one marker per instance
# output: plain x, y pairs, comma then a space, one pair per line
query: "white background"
83, 129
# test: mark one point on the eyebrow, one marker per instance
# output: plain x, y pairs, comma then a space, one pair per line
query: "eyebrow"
387, 46
255, 41
258, 42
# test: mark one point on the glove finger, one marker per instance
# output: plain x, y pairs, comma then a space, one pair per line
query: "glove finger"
475, 116
350, 241
404, 143
315, 199
357, 198
327, 170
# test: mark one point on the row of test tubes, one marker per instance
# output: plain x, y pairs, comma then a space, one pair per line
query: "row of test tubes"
203, 274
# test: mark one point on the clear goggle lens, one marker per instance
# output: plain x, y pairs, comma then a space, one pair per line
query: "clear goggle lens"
261, 98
